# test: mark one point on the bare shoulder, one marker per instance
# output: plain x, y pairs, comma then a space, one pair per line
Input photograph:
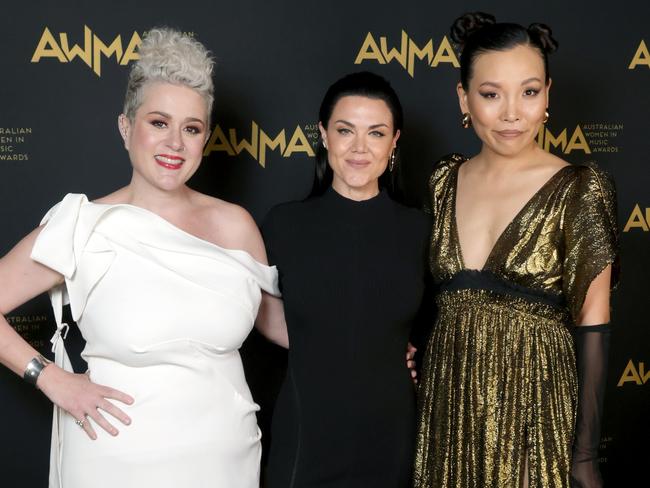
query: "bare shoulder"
222, 212
230, 226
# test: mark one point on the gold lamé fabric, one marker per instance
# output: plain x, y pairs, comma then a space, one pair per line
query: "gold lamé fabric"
498, 382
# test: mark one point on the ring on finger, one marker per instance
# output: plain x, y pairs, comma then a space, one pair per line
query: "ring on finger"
81, 422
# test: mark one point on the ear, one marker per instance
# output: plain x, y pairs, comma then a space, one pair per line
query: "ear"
396, 137
124, 127
462, 98
548, 91
323, 133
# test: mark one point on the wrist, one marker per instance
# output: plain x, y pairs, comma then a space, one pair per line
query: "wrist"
34, 369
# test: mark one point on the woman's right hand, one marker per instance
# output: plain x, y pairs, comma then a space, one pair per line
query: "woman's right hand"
83, 399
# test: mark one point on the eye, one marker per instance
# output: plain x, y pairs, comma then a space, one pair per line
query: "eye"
531, 92
161, 124
488, 94
343, 131
377, 133
192, 129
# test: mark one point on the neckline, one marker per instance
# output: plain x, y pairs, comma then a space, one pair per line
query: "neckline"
181, 231
506, 229
333, 195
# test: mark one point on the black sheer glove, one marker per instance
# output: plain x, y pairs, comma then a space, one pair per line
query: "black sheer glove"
592, 348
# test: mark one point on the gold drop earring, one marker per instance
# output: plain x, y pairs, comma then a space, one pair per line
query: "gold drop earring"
466, 121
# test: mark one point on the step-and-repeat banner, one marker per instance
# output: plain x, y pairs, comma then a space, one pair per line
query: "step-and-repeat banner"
63, 75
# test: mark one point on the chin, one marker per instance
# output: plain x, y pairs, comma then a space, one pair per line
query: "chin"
358, 185
169, 184
508, 150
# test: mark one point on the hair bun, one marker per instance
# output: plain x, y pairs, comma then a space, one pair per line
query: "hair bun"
467, 24
545, 36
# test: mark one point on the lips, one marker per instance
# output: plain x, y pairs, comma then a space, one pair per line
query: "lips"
169, 161
509, 133
358, 163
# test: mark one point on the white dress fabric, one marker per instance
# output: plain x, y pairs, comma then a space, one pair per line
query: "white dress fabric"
164, 314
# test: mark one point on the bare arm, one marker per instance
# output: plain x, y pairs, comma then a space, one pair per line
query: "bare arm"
270, 321
595, 309
24, 279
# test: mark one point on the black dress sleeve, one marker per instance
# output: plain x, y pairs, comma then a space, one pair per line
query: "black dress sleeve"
270, 235
592, 348
427, 311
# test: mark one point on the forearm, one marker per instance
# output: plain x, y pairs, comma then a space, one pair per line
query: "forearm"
15, 352
592, 346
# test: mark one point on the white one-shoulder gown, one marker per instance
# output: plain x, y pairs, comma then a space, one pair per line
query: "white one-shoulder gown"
164, 314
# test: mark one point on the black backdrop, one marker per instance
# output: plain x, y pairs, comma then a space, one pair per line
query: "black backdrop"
58, 134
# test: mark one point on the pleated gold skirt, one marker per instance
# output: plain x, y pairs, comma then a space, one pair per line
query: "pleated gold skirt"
498, 384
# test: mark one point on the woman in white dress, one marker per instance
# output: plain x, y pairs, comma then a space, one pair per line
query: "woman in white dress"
165, 284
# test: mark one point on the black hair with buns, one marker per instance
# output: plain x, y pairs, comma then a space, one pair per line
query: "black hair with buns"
477, 33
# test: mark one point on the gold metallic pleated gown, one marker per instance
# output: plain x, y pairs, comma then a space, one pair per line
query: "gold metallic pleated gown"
498, 381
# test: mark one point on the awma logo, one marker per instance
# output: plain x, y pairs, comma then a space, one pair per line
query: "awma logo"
92, 51
577, 142
407, 52
634, 374
638, 220
641, 57
258, 143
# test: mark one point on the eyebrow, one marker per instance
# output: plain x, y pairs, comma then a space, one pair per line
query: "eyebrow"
497, 85
166, 115
349, 124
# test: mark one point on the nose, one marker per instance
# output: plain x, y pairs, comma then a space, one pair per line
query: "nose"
360, 144
175, 139
511, 110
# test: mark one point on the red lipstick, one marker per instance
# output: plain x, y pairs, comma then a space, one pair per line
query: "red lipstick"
169, 161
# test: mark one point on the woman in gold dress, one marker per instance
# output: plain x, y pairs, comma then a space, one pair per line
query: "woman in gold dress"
524, 251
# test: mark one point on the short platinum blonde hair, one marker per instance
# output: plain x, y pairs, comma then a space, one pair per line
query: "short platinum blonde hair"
170, 56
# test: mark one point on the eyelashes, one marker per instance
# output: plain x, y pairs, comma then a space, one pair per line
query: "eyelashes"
528, 92
192, 129
345, 131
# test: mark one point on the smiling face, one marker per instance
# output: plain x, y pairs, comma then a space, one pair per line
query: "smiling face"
359, 138
506, 99
166, 138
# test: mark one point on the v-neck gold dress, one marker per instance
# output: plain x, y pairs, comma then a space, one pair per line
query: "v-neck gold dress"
498, 378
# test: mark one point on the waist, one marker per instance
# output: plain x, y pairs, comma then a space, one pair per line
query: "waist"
174, 377
484, 289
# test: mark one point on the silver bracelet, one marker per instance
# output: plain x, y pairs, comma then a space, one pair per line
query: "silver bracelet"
34, 368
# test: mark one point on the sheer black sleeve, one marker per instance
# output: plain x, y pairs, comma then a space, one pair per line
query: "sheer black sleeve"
592, 347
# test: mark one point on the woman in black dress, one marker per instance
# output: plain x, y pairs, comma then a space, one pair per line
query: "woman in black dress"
351, 263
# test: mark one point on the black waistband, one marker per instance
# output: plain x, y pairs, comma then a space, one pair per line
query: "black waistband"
487, 280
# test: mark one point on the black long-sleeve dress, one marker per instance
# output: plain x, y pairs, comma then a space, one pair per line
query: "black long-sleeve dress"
352, 278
